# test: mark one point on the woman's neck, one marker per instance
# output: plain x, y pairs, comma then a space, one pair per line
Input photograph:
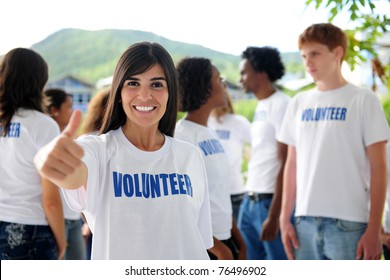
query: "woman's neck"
144, 138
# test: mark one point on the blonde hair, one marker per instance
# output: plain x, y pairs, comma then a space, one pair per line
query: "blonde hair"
95, 112
228, 109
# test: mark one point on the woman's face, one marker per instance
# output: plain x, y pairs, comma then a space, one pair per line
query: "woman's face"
218, 95
145, 97
62, 115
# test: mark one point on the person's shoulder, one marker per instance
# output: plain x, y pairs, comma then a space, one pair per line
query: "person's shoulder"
181, 144
97, 138
302, 94
361, 92
39, 119
282, 95
241, 118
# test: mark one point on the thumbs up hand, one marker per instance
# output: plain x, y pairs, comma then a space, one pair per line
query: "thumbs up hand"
60, 160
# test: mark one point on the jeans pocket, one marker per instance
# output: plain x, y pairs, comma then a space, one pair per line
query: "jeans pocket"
350, 226
297, 220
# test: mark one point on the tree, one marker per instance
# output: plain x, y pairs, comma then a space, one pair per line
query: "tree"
369, 27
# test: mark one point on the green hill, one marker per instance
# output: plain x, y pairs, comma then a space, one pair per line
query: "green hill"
92, 55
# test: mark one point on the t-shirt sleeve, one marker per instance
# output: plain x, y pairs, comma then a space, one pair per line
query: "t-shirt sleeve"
285, 134
204, 219
245, 127
278, 115
44, 136
375, 126
86, 199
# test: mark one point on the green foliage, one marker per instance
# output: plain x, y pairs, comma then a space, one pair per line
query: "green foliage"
245, 107
92, 55
369, 23
386, 106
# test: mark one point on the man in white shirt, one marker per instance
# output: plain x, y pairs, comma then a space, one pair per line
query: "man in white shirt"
335, 174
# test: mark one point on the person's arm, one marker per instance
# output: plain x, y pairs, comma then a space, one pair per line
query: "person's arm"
239, 241
220, 250
270, 226
287, 230
60, 160
52, 206
369, 246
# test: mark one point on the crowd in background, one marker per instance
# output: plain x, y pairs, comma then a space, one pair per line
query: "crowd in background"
129, 181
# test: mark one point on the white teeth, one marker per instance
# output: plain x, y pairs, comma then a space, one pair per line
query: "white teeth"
144, 108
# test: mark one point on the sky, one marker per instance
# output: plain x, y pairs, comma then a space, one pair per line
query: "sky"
227, 26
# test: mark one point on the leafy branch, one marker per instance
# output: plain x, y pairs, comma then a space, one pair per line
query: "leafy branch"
370, 24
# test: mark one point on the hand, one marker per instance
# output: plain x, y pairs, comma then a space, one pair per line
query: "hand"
62, 156
242, 254
224, 253
289, 239
86, 231
369, 246
221, 251
269, 230
61, 249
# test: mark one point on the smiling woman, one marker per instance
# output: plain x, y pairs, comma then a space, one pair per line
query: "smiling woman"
144, 98
135, 177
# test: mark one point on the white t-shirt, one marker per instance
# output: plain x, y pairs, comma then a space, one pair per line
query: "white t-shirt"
20, 182
218, 173
387, 207
233, 131
144, 205
330, 131
264, 165
69, 214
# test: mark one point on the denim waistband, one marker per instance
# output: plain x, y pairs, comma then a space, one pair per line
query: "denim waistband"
32, 231
259, 196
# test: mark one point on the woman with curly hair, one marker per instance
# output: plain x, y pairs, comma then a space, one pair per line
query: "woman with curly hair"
201, 90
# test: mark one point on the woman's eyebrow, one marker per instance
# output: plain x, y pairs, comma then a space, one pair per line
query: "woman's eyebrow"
158, 78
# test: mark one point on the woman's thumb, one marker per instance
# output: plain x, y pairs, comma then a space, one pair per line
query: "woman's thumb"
73, 124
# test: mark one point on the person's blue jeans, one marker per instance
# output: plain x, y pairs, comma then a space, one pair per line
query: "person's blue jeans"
26, 242
327, 238
236, 200
251, 216
386, 253
77, 248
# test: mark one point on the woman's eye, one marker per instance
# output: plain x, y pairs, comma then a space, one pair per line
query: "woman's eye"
132, 83
157, 84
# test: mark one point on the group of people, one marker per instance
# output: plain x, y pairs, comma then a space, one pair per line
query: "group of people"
151, 187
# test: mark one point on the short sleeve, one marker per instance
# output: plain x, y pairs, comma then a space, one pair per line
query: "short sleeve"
375, 126
286, 132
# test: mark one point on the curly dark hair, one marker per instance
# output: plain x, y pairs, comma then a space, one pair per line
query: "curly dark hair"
194, 82
265, 59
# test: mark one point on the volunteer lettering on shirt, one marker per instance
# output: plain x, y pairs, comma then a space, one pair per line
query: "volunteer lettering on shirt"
13, 131
151, 185
324, 114
211, 147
